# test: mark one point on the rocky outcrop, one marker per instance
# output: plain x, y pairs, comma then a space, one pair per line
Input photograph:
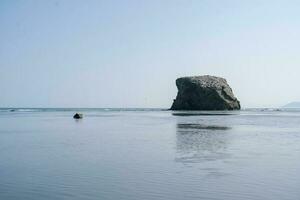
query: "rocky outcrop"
204, 93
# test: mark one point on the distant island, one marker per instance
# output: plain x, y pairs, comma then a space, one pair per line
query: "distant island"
295, 104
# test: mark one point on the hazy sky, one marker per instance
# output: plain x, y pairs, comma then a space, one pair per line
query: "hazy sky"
129, 53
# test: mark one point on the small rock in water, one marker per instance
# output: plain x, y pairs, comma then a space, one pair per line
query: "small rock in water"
78, 116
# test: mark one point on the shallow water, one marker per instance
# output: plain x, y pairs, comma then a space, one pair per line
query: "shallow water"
149, 154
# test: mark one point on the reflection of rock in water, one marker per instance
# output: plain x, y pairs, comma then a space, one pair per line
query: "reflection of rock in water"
186, 127
201, 143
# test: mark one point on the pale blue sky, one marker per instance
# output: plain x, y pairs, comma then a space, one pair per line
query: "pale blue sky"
129, 53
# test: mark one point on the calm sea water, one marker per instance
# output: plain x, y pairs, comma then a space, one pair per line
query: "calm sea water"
149, 154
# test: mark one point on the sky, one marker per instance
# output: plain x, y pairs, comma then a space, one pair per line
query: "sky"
129, 53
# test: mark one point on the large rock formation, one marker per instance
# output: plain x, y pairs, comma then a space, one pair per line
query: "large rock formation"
204, 93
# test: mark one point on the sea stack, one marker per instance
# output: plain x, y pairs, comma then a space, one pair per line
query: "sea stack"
204, 93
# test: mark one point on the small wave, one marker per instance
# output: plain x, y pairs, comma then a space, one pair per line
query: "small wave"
19, 110
201, 113
26, 110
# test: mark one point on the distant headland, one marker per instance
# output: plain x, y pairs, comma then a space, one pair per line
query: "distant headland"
295, 104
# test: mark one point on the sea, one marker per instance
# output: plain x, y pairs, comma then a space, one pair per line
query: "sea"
149, 154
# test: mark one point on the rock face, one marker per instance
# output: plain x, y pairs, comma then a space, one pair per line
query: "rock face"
204, 93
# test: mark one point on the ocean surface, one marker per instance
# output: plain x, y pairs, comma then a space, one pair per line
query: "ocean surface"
149, 154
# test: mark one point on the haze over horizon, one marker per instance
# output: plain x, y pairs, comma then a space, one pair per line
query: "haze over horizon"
129, 53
